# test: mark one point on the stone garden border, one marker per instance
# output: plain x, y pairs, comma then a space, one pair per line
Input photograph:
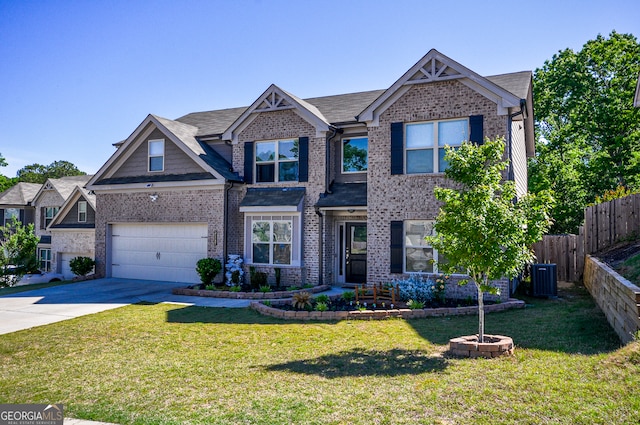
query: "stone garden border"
247, 295
377, 314
493, 346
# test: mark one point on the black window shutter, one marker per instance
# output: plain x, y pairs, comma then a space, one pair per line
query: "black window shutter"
21, 217
396, 246
397, 148
248, 162
42, 211
1, 216
303, 159
476, 129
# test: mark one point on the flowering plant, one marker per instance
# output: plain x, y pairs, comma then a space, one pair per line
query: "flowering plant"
234, 273
416, 288
440, 287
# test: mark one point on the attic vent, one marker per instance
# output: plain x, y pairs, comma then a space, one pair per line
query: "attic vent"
273, 102
434, 70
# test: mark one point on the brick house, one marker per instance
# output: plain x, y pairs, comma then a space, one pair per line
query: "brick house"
48, 202
16, 202
334, 189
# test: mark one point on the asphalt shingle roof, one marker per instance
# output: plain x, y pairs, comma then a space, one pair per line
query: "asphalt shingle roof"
272, 197
344, 195
19, 194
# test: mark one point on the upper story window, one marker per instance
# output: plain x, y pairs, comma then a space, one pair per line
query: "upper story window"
49, 213
355, 155
156, 155
277, 161
425, 142
82, 211
10, 214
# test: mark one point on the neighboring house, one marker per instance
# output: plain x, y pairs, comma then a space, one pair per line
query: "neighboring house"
335, 189
16, 202
50, 198
73, 231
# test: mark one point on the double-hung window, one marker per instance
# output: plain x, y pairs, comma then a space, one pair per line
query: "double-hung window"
82, 211
44, 256
49, 214
355, 155
277, 161
271, 241
426, 141
156, 155
419, 256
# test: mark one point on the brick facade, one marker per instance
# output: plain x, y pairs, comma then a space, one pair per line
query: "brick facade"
81, 243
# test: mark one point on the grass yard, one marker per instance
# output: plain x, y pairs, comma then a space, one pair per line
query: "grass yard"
170, 364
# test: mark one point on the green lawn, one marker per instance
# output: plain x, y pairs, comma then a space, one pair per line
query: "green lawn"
170, 364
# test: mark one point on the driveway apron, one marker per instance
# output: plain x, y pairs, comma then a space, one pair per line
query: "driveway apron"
25, 310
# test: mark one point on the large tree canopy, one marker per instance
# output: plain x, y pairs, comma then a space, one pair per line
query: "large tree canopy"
37, 173
588, 130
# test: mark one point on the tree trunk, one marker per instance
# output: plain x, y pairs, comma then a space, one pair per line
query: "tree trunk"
480, 314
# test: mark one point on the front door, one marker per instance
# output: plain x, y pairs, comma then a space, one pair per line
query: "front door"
356, 253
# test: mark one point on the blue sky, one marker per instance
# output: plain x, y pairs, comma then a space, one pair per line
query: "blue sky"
78, 76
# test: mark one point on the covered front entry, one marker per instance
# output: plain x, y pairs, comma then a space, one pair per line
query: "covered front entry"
154, 251
351, 238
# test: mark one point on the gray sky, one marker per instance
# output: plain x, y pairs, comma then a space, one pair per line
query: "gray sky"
78, 76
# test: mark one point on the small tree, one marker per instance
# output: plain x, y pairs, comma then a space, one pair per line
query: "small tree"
18, 245
481, 228
81, 266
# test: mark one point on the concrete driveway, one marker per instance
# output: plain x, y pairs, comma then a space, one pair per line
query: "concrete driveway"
43, 306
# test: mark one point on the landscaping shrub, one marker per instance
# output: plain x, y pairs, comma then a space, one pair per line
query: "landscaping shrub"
208, 268
416, 288
81, 266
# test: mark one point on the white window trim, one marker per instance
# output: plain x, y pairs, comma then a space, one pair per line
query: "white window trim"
296, 237
424, 245
47, 262
83, 204
276, 161
342, 155
149, 156
436, 147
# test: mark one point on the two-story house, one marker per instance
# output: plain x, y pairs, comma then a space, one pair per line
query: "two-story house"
51, 196
335, 189
16, 202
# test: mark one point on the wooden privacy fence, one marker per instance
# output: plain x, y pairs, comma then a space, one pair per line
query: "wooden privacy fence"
604, 225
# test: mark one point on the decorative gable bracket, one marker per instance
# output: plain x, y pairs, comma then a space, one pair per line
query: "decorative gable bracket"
273, 102
434, 70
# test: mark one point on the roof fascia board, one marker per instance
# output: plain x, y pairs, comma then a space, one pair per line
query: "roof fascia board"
355, 209
156, 186
73, 230
122, 153
636, 100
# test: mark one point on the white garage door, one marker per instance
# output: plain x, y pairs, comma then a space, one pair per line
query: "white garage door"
65, 269
165, 252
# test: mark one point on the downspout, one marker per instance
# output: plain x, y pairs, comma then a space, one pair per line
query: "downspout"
225, 226
327, 157
320, 247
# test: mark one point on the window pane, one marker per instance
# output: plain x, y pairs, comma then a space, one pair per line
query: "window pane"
420, 161
419, 135
265, 173
415, 232
282, 253
355, 155
288, 171
419, 260
10, 214
358, 240
261, 231
288, 149
265, 151
261, 253
452, 133
156, 148
282, 231
155, 163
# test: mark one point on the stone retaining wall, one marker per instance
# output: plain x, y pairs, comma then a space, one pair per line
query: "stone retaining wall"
403, 313
247, 295
618, 298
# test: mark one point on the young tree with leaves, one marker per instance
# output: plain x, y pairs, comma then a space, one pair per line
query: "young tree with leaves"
482, 229
18, 245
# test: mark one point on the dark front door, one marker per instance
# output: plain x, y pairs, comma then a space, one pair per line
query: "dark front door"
356, 253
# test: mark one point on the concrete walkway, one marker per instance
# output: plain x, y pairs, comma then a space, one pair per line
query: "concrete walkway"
39, 307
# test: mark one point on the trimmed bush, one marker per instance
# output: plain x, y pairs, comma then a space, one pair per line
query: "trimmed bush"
81, 266
208, 268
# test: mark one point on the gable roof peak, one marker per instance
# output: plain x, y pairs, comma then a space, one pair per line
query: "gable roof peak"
276, 99
436, 67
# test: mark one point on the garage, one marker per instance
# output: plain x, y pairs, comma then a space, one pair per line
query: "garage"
65, 268
165, 252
